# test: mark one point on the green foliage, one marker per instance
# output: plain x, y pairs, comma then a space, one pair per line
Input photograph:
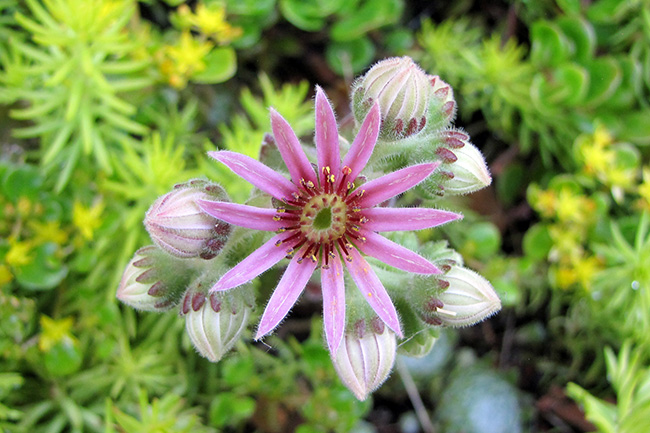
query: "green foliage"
631, 382
71, 72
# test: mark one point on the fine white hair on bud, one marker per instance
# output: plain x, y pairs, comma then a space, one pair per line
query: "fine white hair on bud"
214, 323
469, 298
366, 357
403, 91
177, 225
144, 284
470, 171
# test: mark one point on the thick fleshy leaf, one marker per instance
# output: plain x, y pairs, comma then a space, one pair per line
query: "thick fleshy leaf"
394, 254
327, 136
333, 303
386, 219
291, 285
257, 262
364, 143
392, 184
258, 174
289, 146
242, 215
373, 290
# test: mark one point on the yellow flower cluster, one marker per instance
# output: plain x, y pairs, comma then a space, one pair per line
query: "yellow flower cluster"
570, 215
180, 61
611, 163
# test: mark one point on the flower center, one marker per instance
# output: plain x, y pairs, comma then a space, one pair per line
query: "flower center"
324, 218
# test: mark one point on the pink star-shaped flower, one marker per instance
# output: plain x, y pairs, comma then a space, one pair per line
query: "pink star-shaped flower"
326, 221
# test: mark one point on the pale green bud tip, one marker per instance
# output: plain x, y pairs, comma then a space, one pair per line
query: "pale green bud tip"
213, 323
177, 225
403, 91
469, 299
464, 166
141, 287
366, 357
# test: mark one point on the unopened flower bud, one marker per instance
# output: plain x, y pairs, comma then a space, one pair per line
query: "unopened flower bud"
365, 357
403, 91
469, 299
469, 169
215, 322
177, 225
149, 282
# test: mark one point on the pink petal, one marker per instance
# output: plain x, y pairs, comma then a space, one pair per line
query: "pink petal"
364, 143
261, 176
242, 215
291, 150
257, 262
327, 136
372, 289
394, 254
291, 285
333, 303
386, 219
392, 184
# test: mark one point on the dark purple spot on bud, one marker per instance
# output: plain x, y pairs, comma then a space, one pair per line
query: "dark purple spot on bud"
377, 325
222, 228
187, 301
447, 174
157, 289
446, 155
198, 300
445, 268
454, 143
163, 304
412, 128
448, 108
360, 329
215, 303
432, 320
433, 304
148, 276
145, 262
454, 133
442, 92
368, 102
399, 126
443, 284
433, 81
423, 123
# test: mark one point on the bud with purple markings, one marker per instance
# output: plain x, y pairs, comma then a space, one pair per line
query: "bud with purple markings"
366, 356
403, 91
216, 321
177, 225
152, 281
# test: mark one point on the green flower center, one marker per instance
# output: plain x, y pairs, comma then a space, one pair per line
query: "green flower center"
324, 218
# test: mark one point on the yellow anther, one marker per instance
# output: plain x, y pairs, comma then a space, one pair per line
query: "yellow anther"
277, 218
346, 170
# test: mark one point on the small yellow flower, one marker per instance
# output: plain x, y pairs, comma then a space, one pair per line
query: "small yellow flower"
602, 137
211, 21
586, 269
572, 207
87, 220
24, 206
19, 253
596, 158
184, 59
546, 202
54, 331
644, 188
565, 277
5, 275
49, 231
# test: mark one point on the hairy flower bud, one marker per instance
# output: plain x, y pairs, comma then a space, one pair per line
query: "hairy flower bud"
365, 357
470, 172
469, 299
403, 91
215, 322
149, 282
421, 343
177, 225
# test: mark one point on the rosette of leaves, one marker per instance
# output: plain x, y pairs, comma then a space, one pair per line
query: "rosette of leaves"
69, 73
